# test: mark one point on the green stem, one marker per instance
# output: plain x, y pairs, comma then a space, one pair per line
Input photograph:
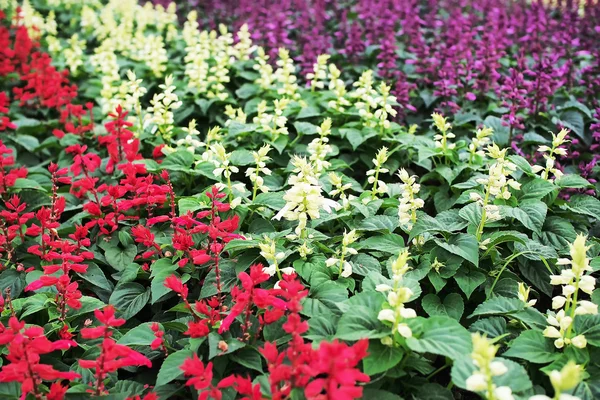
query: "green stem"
503, 268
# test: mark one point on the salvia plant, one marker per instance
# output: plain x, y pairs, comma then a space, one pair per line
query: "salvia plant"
299, 200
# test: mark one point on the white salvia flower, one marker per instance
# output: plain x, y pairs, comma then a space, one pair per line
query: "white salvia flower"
397, 295
304, 199
379, 187
234, 114
339, 258
477, 382
365, 95
503, 393
162, 104
338, 87
243, 48
260, 160
339, 188
409, 202
285, 75
495, 186
264, 69
319, 74
481, 139
318, 148
550, 155
269, 252
524, 295
441, 139
572, 280
74, 53
222, 161
483, 355
272, 124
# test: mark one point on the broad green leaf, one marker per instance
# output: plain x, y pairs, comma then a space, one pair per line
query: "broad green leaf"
453, 305
361, 323
583, 204
573, 181
383, 223
442, 336
381, 358
531, 214
469, 279
532, 346
446, 221
171, 367
388, 243
161, 269
492, 327
96, 277
141, 335
463, 245
129, 299
536, 189
119, 258
498, 305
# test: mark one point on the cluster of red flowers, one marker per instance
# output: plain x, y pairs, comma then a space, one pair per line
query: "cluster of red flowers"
327, 373
25, 348
112, 356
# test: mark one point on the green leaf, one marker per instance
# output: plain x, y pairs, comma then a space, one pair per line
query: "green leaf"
96, 277
558, 233
522, 163
381, 358
532, 346
573, 120
273, 200
516, 376
469, 280
498, 305
10, 278
388, 243
88, 305
24, 183
241, 157
536, 189
440, 335
161, 269
305, 128
573, 181
452, 307
214, 350
141, 335
531, 214
463, 245
129, 299
585, 205
171, 367
384, 223
363, 264
248, 357
181, 160
446, 221
492, 327
589, 325
119, 258
361, 323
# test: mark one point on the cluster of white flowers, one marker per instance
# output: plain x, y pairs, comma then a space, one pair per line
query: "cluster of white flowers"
383, 107
272, 124
285, 75
244, 47
339, 258
496, 186
191, 142
379, 186
339, 189
481, 380
566, 379
160, 111
319, 74
268, 251
151, 51
234, 114
409, 202
135, 92
523, 295
443, 126
264, 69
338, 87
212, 136
397, 296
481, 139
573, 280
254, 173
74, 53
304, 199
319, 148
550, 154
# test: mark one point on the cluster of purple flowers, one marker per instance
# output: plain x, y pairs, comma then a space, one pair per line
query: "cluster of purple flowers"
519, 58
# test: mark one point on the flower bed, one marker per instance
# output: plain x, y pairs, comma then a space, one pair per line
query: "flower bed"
187, 214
